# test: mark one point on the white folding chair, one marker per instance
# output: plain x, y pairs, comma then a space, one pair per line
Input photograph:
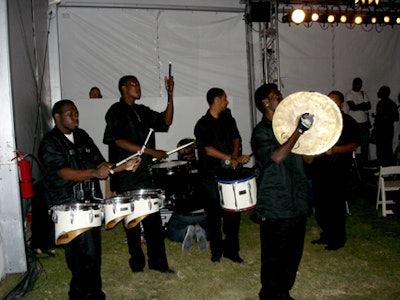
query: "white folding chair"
388, 182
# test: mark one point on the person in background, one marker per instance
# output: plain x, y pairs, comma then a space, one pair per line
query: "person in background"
386, 114
95, 93
128, 126
330, 181
219, 146
282, 198
188, 219
69, 156
358, 106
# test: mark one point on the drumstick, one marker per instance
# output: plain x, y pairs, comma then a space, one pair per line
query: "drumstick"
145, 142
126, 159
170, 70
177, 149
137, 153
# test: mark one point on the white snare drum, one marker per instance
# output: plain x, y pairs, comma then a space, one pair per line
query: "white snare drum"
73, 219
238, 190
145, 201
117, 208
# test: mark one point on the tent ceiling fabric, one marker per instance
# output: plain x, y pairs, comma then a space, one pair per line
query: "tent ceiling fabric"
98, 46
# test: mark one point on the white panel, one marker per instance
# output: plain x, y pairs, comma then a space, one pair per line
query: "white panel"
98, 46
12, 248
205, 4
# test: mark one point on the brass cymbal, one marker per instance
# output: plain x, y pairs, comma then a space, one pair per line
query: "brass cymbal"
325, 130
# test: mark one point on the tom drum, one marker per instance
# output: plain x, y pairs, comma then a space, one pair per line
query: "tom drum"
73, 219
238, 190
145, 201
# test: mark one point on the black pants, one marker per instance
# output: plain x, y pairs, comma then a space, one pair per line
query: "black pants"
330, 208
42, 228
217, 219
154, 235
83, 255
282, 244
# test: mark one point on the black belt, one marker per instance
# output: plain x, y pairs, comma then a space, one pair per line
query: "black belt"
194, 214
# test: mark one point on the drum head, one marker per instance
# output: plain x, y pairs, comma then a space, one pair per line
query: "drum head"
144, 193
76, 206
236, 175
118, 199
169, 164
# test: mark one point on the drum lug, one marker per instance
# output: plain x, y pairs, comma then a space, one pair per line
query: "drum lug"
54, 217
71, 217
132, 206
250, 194
234, 193
91, 216
221, 196
114, 208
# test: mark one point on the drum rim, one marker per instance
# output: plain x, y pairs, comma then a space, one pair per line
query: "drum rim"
181, 163
236, 180
112, 199
141, 192
67, 207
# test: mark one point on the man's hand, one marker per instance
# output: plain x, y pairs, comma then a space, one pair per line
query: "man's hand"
133, 164
305, 122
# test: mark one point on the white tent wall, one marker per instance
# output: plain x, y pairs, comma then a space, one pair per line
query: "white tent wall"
22, 59
325, 60
206, 49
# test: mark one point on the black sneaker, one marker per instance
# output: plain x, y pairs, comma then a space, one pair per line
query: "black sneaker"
235, 258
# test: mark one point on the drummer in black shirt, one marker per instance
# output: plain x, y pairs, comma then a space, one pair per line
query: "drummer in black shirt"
128, 126
219, 144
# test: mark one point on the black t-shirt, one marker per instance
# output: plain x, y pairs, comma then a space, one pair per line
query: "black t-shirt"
132, 124
57, 152
218, 133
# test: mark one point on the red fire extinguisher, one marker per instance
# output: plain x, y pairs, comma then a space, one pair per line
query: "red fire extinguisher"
25, 175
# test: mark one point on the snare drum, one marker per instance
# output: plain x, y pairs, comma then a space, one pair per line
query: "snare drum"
238, 190
73, 219
117, 208
145, 201
170, 176
169, 168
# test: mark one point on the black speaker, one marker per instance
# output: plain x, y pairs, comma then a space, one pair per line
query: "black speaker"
259, 12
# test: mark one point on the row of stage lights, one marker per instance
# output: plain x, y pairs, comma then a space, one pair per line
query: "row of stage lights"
358, 13
299, 16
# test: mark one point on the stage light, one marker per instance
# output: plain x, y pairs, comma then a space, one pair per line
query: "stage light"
358, 20
298, 16
314, 17
373, 20
343, 18
331, 18
386, 19
398, 20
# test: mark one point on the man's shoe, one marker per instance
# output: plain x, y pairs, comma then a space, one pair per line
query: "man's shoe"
163, 270
333, 247
136, 270
201, 238
216, 258
235, 258
319, 242
187, 241
37, 251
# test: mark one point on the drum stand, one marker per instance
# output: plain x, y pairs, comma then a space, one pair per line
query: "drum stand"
358, 178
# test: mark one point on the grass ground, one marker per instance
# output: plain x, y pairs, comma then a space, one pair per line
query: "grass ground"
368, 267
